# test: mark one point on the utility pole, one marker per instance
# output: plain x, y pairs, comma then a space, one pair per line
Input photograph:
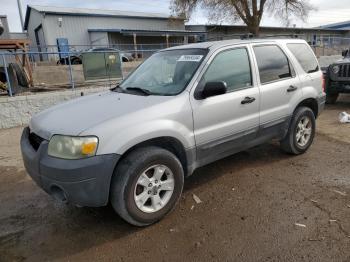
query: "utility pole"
20, 14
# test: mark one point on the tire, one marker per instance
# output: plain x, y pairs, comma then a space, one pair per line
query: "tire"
76, 61
21, 75
332, 98
292, 143
125, 185
15, 87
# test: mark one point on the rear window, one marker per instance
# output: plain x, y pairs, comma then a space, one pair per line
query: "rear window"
272, 63
305, 57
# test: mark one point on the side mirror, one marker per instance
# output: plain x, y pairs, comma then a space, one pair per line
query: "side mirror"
214, 89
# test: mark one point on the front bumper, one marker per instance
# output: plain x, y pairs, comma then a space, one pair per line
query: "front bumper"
338, 87
83, 182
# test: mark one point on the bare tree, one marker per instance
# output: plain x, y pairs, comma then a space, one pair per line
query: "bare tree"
248, 11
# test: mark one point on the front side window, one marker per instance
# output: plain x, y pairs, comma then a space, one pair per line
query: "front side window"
232, 67
273, 64
305, 57
166, 72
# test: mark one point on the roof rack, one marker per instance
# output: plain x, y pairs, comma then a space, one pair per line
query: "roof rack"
250, 36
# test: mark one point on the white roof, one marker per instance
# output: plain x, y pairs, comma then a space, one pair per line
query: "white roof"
97, 12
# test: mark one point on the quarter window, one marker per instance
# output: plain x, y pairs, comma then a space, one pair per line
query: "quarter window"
273, 64
232, 67
305, 57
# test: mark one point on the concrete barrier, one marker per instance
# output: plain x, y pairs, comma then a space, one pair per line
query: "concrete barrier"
17, 111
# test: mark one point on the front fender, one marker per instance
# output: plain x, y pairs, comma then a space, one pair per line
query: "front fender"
128, 137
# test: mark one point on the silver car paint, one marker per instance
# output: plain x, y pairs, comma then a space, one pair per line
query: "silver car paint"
123, 120
118, 120
222, 116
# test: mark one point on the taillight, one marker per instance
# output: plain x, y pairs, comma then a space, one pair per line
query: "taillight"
323, 83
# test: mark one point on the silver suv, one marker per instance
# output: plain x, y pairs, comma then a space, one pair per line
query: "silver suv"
183, 108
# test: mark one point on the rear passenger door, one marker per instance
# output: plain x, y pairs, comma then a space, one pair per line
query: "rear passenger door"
226, 122
279, 86
310, 73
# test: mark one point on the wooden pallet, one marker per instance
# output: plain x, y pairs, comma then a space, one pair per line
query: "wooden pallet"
14, 45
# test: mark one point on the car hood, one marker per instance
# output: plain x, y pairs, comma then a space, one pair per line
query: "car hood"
77, 115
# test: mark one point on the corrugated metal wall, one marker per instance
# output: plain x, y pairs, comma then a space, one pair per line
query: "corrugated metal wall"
75, 28
35, 20
4, 22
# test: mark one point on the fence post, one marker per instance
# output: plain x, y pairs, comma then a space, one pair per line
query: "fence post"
7, 76
70, 72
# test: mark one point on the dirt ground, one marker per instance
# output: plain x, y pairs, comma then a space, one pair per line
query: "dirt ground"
251, 203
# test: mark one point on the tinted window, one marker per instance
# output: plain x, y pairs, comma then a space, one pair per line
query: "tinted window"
272, 63
305, 57
232, 67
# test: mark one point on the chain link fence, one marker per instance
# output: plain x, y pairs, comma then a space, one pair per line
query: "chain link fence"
52, 68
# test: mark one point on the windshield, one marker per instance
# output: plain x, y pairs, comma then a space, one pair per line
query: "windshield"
165, 73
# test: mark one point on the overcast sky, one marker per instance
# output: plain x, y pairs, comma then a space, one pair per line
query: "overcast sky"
329, 11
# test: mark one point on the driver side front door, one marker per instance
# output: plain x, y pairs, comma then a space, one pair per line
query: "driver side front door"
225, 123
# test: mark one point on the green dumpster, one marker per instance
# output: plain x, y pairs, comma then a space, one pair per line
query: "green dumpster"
100, 65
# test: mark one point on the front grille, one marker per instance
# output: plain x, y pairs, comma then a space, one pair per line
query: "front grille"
344, 71
35, 140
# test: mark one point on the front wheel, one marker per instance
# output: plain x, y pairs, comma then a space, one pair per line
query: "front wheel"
301, 132
146, 185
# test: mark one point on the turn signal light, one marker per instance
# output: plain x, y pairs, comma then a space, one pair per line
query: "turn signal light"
88, 148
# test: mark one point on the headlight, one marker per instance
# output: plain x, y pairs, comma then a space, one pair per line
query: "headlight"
70, 147
336, 69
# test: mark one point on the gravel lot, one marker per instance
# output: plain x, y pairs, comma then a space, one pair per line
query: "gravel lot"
251, 204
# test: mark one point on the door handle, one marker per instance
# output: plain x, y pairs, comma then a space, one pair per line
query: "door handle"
292, 89
247, 100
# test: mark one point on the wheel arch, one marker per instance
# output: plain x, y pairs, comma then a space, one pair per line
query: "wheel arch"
310, 103
169, 143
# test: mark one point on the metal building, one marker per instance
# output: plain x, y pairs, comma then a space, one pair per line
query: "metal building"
5, 27
315, 36
91, 27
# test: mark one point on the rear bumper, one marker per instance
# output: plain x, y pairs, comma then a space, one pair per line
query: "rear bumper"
83, 182
321, 102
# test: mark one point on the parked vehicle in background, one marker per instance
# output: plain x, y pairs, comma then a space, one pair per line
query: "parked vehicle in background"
127, 57
76, 57
183, 108
337, 77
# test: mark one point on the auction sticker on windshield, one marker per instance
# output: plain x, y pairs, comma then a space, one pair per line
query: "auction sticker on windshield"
190, 58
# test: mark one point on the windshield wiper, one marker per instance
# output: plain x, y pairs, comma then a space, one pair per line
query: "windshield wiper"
140, 90
117, 88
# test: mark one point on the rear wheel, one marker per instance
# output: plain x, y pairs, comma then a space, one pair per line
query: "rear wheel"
76, 61
146, 185
301, 132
